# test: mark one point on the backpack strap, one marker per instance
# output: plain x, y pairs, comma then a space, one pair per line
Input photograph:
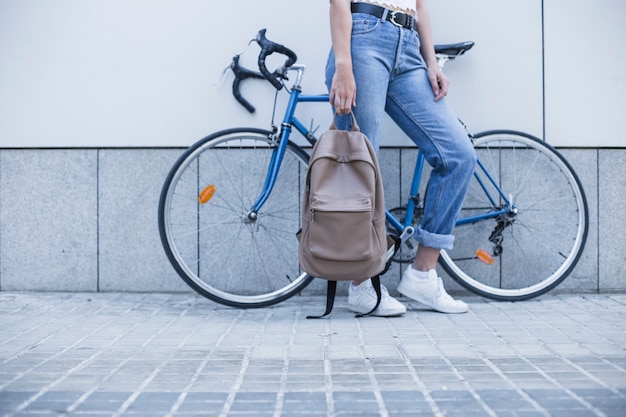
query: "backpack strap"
332, 290
376, 284
330, 300
393, 244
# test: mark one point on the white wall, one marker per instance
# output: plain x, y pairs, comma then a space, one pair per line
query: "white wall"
146, 73
586, 72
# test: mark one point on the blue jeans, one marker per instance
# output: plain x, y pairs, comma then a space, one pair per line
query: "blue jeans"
391, 76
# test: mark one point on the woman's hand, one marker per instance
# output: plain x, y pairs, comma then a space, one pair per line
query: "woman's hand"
343, 91
439, 82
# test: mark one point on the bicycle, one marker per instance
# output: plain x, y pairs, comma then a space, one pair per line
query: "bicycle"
233, 198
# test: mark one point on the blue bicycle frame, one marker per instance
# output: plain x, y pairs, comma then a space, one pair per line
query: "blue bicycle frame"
290, 120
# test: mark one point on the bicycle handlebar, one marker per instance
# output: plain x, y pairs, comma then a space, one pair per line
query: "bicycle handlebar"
241, 74
267, 48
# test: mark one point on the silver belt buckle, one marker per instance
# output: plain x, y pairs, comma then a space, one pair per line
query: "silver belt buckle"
393, 18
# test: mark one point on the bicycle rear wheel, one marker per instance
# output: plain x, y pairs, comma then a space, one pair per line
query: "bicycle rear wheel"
204, 225
527, 252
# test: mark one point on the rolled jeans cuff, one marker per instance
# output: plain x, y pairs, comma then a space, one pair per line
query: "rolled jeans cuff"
433, 240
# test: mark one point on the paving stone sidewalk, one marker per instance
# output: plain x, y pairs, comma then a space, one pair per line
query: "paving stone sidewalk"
181, 355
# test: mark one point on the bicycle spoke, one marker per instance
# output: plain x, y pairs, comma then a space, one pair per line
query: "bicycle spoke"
215, 246
534, 247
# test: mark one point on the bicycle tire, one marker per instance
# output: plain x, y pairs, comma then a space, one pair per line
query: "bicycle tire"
542, 243
213, 246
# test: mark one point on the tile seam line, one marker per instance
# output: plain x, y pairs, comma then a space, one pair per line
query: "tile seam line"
126, 404
43, 323
499, 372
414, 374
569, 392
370, 370
547, 376
244, 366
280, 396
599, 335
580, 369
47, 388
468, 386
94, 313
328, 376
113, 371
183, 395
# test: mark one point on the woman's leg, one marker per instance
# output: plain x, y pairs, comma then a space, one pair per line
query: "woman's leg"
434, 127
371, 72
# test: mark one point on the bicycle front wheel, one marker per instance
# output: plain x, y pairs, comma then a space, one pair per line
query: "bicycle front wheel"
532, 248
216, 248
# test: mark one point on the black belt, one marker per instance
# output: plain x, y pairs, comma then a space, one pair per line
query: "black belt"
397, 18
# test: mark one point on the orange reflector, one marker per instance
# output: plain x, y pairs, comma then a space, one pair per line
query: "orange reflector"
483, 256
206, 194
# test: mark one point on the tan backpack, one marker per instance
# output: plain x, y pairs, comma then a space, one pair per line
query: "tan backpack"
343, 234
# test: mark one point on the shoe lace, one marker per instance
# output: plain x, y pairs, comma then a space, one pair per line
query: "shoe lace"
383, 291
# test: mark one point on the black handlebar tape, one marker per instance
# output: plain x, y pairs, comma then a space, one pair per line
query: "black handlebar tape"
267, 48
241, 74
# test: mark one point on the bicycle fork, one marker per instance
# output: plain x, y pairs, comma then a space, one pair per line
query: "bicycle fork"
281, 138
276, 159
270, 179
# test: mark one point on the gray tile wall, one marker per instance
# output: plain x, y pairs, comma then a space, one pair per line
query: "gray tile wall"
86, 220
130, 256
611, 233
48, 220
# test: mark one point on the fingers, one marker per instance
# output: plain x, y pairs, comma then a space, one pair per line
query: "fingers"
342, 103
342, 106
439, 83
343, 91
440, 91
440, 87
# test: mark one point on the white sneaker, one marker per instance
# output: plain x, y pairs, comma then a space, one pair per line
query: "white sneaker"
429, 291
362, 298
